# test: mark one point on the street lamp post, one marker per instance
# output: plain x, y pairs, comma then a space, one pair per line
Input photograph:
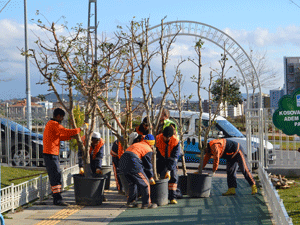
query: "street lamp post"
28, 96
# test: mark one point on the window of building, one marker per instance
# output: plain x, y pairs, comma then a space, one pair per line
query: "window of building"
291, 69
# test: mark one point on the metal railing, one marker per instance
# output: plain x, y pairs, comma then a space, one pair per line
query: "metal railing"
15, 196
278, 210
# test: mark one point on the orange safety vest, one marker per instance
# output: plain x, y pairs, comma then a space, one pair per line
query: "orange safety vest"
140, 149
161, 145
54, 133
217, 147
96, 149
138, 131
120, 150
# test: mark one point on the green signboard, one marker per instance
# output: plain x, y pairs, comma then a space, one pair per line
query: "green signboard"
287, 116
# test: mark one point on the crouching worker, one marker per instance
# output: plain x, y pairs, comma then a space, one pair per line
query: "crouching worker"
233, 153
168, 149
136, 165
96, 151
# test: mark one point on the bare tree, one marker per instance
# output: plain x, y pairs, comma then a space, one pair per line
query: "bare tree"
61, 60
202, 130
268, 76
179, 100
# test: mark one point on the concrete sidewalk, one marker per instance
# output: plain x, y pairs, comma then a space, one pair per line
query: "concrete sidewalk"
240, 209
47, 213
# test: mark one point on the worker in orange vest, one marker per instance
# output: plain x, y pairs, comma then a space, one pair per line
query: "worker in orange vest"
96, 151
116, 153
136, 165
143, 128
168, 150
233, 153
54, 133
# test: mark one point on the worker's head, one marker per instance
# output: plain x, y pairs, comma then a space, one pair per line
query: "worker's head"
165, 114
132, 137
95, 138
149, 138
58, 114
168, 133
145, 123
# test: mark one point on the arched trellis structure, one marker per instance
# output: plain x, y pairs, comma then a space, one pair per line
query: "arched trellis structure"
237, 54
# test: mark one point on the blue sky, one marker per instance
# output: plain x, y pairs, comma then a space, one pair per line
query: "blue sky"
272, 26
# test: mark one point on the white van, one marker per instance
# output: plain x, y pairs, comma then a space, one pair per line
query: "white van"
190, 122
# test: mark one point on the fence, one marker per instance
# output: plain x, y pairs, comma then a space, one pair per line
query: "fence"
15, 196
275, 203
20, 146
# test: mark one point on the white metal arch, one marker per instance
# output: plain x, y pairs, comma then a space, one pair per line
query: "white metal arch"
214, 35
233, 49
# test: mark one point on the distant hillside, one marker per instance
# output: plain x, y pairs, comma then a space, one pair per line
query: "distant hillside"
51, 97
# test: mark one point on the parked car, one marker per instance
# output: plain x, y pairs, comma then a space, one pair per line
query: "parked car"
190, 121
21, 146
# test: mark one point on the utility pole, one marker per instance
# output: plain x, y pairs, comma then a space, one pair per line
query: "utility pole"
92, 29
28, 95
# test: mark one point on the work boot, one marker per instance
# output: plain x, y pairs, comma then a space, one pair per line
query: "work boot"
173, 201
149, 206
132, 204
254, 189
121, 192
60, 203
231, 191
104, 199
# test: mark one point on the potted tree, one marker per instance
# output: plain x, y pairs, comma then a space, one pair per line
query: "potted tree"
199, 184
68, 67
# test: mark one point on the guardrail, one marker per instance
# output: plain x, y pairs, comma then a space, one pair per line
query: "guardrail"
15, 196
276, 204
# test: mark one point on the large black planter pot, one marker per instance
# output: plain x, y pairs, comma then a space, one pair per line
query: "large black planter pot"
125, 185
88, 190
106, 170
198, 185
159, 192
182, 184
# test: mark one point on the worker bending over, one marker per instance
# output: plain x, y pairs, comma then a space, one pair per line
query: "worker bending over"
233, 153
136, 165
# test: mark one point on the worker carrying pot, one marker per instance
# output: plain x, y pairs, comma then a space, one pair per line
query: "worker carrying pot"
136, 165
233, 153
168, 150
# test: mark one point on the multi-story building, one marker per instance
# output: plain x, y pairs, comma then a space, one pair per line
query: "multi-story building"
275, 96
19, 109
291, 74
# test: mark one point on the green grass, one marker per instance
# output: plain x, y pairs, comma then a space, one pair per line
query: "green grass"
291, 200
8, 173
284, 146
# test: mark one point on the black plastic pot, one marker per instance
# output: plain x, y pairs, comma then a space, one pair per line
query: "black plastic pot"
125, 185
106, 170
182, 184
88, 190
199, 185
159, 192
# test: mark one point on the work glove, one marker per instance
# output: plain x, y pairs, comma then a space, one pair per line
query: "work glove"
84, 126
211, 173
98, 171
152, 181
81, 171
168, 175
